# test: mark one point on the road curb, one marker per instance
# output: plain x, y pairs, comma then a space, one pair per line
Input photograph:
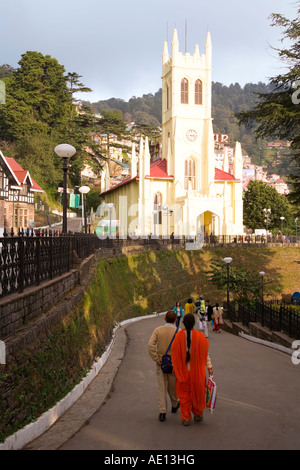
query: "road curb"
34, 430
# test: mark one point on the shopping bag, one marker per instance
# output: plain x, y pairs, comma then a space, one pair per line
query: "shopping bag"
211, 394
201, 327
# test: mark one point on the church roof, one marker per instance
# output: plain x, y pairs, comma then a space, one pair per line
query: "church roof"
158, 169
221, 175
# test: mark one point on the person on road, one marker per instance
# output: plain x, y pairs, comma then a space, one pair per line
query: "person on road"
217, 315
208, 314
189, 306
201, 315
190, 356
179, 312
157, 346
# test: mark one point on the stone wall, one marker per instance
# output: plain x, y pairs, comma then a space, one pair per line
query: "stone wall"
17, 311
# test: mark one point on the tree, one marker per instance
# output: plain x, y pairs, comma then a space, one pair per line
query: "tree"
39, 113
243, 283
277, 113
260, 196
112, 124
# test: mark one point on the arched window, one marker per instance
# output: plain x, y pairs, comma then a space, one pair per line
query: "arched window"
168, 97
184, 91
190, 173
198, 92
157, 216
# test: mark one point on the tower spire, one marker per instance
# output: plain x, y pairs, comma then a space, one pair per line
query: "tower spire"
175, 44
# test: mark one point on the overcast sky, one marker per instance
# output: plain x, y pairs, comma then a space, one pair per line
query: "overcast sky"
116, 45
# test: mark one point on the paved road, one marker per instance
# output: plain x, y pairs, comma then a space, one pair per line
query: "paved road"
258, 404
73, 224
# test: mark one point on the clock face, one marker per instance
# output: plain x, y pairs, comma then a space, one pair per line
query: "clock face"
191, 135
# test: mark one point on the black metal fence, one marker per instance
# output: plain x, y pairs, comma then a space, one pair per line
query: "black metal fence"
28, 260
276, 317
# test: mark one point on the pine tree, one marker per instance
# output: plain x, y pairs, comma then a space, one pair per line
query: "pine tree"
277, 113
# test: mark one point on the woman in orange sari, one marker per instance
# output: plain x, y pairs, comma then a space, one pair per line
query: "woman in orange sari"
190, 358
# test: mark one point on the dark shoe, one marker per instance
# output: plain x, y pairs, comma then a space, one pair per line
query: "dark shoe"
162, 417
198, 418
174, 409
187, 422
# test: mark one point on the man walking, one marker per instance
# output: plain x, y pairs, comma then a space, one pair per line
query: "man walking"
157, 346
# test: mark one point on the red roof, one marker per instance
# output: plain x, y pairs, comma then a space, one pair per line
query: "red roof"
19, 174
221, 175
158, 169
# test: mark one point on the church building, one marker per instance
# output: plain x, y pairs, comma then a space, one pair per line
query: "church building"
182, 192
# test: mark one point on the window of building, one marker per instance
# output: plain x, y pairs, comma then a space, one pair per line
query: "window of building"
198, 92
168, 97
190, 173
184, 91
157, 216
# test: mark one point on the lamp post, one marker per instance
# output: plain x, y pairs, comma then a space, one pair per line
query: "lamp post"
110, 206
165, 208
296, 222
65, 151
267, 214
154, 212
262, 273
84, 190
227, 261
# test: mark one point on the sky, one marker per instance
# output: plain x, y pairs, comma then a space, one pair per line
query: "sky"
116, 45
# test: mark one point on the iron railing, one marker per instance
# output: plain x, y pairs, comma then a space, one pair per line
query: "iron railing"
281, 318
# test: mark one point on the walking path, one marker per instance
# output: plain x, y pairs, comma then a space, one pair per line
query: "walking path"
258, 404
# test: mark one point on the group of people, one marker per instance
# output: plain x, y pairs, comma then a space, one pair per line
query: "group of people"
188, 348
205, 314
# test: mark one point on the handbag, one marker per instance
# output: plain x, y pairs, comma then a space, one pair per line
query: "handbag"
166, 360
211, 394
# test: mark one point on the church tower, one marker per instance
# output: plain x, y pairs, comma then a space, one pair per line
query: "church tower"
187, 135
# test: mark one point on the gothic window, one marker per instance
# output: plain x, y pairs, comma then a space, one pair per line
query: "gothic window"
198, 92
157, 208
184, 91
190, 173
168, 97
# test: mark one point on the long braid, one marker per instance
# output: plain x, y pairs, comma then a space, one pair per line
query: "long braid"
188, 341
189, 322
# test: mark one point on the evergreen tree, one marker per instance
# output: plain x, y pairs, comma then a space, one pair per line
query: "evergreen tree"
260, 196
277, 113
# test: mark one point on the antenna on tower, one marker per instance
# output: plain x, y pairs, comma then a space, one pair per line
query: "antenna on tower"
167, 38
185, 36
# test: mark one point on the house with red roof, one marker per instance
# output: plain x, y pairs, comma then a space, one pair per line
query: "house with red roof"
182, 192
17, 190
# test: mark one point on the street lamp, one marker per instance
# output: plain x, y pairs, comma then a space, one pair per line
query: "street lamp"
65, 151
165, 221
110, 206
262, 273
296, 222
227, 261
154, 212
267, 214
84, 190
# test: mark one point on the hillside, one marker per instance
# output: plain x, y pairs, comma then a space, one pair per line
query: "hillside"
226, 100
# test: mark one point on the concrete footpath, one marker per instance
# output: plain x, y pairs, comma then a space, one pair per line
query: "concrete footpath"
258, 404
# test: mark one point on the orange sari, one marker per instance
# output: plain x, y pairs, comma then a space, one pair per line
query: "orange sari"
190, 383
